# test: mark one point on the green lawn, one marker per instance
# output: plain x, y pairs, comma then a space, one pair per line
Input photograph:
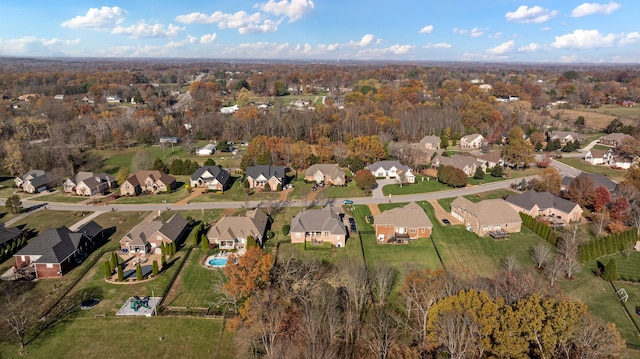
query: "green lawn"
616, 175
601, 147
618, 111
423, 184
499, 193
60, 196
196, 285
113, 337
173, 197
44, 219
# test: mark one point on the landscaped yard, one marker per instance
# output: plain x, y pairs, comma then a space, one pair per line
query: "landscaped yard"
40, 220
60, 196
196, 285
499, 193
616, 175
423, 184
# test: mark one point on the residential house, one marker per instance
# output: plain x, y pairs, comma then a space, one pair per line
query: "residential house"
555, 209
430, 142
113, 99
8, 236
468, 164
34, 181
318, 226
59, 97
597, 179
57, 250
401, 224
492, 159
614, 139
263, 177
148, 181
563, 136
213, 178
392, 169
470, 142
620, 160
206, 150
326, 173
597, 157
492, 217
232, 232
89, 184
148, 236
229, 110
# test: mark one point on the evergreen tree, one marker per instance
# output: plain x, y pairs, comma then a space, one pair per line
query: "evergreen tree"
138, 272
154, 268
120, 274
163, 261
479, 174
611, 271
107, 269
204, 242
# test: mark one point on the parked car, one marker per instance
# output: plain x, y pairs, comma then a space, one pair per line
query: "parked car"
353, 228
352, 220
348, 201
446, 222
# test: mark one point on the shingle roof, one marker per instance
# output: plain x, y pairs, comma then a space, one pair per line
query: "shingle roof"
174, 226
543, 200
457, 161
140, 234
430, 139
217, 172
410, 215
318, 220
489, 212
598, 180
386, 165
471, 138
254, 223
139, 177
267, 171
90, 229
493, 156
53, 245
7, 234
616, 136
328, 169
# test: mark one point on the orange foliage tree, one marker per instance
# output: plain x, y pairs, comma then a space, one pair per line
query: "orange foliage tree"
250, 273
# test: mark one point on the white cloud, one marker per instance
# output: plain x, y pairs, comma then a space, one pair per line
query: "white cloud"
208, 38
97, 19
583, 39
365, 41
34, 46
294, 9
332, 47
531, 47
569, 58
594, 8
630, 38
144, 30
392, 50
426, 30
440, 45
527, 15
475, 32
245, 23
496, 35
547, 28
502, 49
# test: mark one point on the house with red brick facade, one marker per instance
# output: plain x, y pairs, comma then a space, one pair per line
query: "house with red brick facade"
149, 236
399, 225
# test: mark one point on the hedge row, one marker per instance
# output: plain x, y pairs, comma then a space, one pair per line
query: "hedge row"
612, 244
542, 229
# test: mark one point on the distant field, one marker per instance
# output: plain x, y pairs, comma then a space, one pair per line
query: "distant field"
599, 118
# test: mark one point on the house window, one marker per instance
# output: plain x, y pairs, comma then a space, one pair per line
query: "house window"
49, 265
326, 234
413, 230
298, 235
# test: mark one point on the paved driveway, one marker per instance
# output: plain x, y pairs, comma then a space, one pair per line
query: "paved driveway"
377, 192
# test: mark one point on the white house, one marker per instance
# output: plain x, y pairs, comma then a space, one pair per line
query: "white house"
207, 150
597, 157
471, 141
391, 169
229, 110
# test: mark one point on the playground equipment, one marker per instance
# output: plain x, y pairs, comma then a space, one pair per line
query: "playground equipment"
137, 302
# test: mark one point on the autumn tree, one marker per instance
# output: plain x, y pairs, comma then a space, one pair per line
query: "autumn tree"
581, 191
301, 156
365, 180
601, 198
249, 273
517, 152
550, 181
13, 161
368, 148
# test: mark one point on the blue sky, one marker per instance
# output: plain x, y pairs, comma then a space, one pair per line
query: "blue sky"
402, 30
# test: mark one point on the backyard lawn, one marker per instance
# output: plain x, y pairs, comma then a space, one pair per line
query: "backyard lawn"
499, 193
616, 175
196, 285
60, 196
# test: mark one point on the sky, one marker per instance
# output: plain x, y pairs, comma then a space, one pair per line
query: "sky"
328, 30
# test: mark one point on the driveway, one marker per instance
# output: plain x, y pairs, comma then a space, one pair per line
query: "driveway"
377, 192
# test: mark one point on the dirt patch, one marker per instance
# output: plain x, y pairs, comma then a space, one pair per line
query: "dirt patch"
374, 209
441, 213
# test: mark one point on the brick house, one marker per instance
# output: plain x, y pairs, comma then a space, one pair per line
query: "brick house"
488, 217
326, 173
399, 225
317, 226
147, 237
232, 232
213, 178
261, 175
148, 181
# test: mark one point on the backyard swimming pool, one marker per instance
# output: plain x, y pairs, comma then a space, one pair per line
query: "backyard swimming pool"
217, 262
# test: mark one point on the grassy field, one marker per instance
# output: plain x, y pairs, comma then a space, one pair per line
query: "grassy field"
616, 175
429, 184
113, 337
196, 285
60, 196
40, 220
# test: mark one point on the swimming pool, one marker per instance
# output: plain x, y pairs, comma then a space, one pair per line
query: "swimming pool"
217, 262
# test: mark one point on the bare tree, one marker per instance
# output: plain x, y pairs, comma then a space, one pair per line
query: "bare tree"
570, 242
554, 270
18, 314
599, 221
571, 266
383, 279
541, 254
597, 339
382, 331
511, 263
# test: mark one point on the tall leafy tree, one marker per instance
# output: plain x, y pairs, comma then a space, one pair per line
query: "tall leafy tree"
517, 152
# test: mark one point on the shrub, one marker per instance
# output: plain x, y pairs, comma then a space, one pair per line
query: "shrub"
479, 174
285, 229
154, 268
270, 234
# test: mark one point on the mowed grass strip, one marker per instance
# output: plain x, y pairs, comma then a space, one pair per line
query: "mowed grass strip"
114, 337
196, 286
616, 175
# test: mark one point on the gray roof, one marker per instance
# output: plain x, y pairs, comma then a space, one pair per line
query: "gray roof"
471, 137
598, 180
53, 245
328, 169
563, 134
172, 228
217, 172
457, 161
543, 200
489, 211
386, 165
33, 173
7, 234
137, 178
90, 229
254, 223
318, 220
616, 136
430, 139
410, 215
267, 171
